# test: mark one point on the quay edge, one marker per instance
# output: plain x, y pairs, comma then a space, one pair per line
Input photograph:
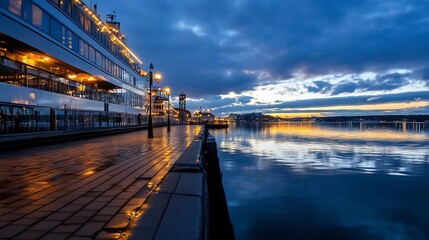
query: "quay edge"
191, 202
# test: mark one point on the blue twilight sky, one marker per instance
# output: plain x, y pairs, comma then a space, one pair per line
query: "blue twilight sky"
317, 57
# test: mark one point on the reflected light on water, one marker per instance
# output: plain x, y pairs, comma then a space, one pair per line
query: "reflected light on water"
306, 146
326, 181
313, 130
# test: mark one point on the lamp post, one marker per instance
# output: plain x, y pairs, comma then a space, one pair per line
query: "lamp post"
167, 90
149, 124
157, 79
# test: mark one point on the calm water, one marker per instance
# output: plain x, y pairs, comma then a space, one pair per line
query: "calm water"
326, 181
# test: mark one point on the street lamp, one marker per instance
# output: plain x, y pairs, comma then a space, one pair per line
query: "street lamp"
157, 78
167, 91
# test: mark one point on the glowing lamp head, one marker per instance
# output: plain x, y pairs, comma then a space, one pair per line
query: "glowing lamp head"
167, 91
158, 77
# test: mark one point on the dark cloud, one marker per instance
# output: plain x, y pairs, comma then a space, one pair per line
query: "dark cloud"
319, 87
203, 46
218, 102
347, 87
422, 74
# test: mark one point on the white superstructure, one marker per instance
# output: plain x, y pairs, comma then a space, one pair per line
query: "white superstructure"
63, 68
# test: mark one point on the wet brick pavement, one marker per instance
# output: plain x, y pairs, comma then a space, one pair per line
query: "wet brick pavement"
85, 189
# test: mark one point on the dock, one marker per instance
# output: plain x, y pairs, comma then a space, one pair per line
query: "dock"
111, 187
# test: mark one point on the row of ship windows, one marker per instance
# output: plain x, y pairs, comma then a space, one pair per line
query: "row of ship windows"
22, 75
22, 119
74, 11
39, 18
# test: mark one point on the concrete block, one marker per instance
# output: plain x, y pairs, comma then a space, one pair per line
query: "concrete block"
191, 154
190, 184
152, 214
183, 219
169, 183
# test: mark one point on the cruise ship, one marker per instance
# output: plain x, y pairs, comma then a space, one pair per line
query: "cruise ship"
63, 68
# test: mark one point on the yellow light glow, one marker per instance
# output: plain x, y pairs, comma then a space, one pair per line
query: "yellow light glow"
158, 77
89, 173
72, 76
167, 90
112, 36
312, 130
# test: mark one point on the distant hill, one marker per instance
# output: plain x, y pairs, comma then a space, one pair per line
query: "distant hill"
380, 118
260, 117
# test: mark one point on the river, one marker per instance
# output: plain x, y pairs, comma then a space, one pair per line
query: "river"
326, 180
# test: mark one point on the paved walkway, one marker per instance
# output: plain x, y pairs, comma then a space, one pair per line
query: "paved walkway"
85, 189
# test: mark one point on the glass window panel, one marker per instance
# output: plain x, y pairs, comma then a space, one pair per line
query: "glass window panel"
66, 6
81, 47
15, 7
37, 16
45, 22
44, 84
27, 11
57, 2
81, 20
87, 24
63, 35
70, 39
75, 43
56, 30
91, 54
76, 14
98, 59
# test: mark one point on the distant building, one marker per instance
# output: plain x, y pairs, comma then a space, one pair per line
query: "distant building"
160, 101
201, 117
252, 117
178, 118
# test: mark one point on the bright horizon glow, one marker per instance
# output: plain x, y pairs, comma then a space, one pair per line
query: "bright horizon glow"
373, 107
365, 107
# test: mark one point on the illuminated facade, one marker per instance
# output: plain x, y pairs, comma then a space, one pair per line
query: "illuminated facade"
63, 68
160, 101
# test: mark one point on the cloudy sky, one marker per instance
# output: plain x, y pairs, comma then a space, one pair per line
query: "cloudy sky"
317, 57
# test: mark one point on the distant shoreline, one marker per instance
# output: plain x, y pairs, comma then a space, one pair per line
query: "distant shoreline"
370, 118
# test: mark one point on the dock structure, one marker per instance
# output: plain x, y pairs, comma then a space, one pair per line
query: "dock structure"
109, 187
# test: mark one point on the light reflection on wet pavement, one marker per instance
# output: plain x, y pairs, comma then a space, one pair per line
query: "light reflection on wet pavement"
89, 188
326, 181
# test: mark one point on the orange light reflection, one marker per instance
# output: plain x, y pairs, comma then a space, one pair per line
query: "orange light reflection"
314, 130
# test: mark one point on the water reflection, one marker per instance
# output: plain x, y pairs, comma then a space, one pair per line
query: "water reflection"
348, 147
327, 181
